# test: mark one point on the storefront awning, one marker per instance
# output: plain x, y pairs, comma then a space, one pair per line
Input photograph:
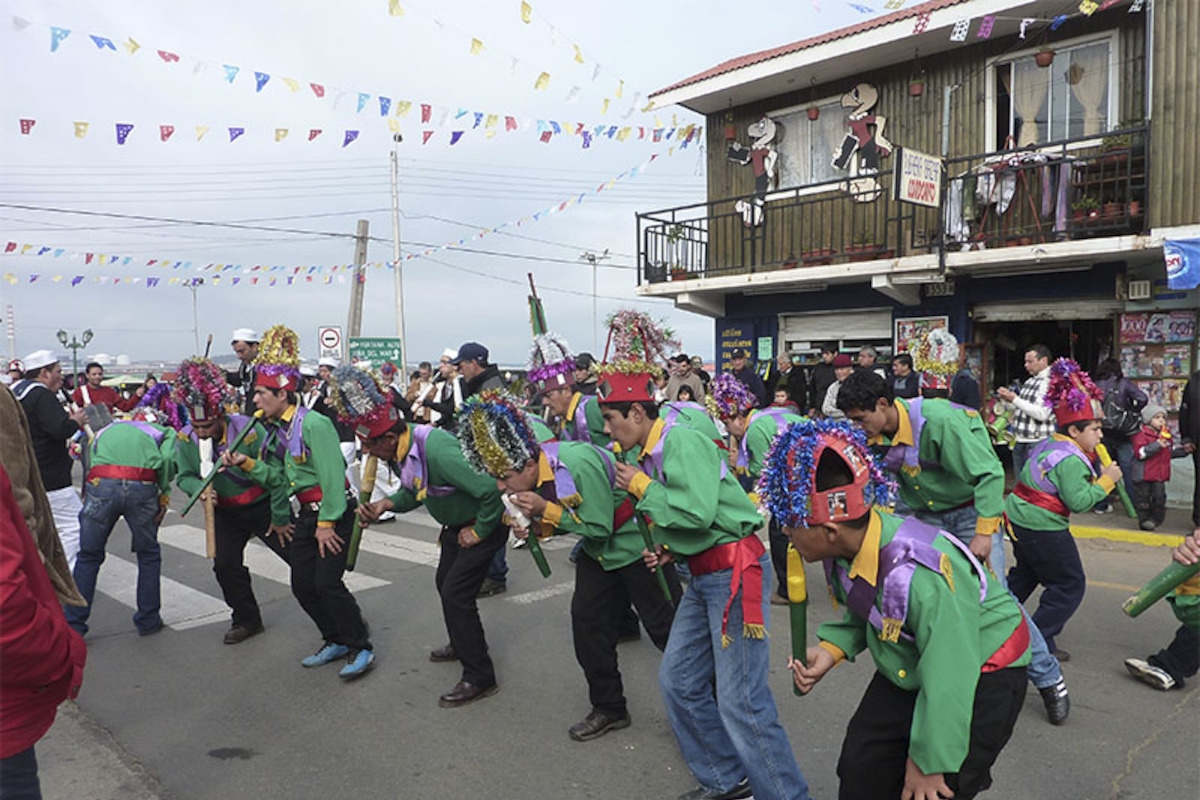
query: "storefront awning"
1048, 310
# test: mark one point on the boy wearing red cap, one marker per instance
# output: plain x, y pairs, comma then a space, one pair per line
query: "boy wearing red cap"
1060, 477
949, 643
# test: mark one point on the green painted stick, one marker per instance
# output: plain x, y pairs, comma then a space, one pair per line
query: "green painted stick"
798, 609
212, 475
1158, 587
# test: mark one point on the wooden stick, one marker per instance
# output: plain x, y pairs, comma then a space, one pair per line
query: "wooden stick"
365, 489
210, 525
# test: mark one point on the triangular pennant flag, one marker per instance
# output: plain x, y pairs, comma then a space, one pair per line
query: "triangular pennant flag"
87, 257
123, 129
292, 84
595, 72
403, 107
132, 45
455, 136
426, 111
260, 80
542, 81
985, 27
492, 119
385, 105
76, 280
80, 130
394, 8
200, 131
363, 97
167, 56
56, 37
103, 42
20, 23
230, 72
526, 12
462, 112
604, 108
27, 126
425, 136
165, 131
318, 89
578, 53
510, 123
350, 137
545, 137
281, 134
573, 95
234, 133
587, 139
476, 47
313, 133
393, 125
478, 119
620, 89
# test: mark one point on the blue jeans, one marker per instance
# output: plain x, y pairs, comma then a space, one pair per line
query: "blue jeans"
105, 503
498, 569
19, 776
737, 733
1121, 450
1044, 670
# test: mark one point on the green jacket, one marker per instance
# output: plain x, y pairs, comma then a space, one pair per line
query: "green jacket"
954, 635
229, 482
319, 464
1078, 489
694, 418
692, 507
761, 430
590, 513
593, 416
124, 444
476, 499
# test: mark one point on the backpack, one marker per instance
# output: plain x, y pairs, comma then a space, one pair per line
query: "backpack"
1118, 419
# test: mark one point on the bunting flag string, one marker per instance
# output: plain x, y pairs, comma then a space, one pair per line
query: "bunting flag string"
466, 122
273, 274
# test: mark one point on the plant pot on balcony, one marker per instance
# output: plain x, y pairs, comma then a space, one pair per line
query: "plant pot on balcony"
1044, 58
814, 113
679, 274
820, 256
1114, 210
867, 252
1135, 208
916, 88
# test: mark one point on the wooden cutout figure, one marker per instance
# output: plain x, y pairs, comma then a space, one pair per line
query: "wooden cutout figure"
763, 156
870, 145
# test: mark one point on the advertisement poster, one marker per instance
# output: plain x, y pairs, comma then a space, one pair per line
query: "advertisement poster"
1157, 353
906, 331
1163, 326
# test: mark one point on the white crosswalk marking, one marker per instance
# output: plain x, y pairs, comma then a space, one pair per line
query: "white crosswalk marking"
401, 547
182, 606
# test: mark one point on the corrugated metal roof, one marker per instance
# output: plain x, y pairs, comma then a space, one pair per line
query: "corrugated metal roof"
841, 33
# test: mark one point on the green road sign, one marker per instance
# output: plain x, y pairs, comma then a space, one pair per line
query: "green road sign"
375, 349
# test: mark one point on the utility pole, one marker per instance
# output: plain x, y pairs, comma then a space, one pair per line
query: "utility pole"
354, 323
594, 259
397, 269
194, 284
12, 331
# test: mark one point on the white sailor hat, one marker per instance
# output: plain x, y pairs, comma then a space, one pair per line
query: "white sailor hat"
246, 335
39, 358
327, 361
308, 370
450, 354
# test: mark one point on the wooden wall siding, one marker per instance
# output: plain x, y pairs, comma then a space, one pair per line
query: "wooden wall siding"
917, 123
1175, 114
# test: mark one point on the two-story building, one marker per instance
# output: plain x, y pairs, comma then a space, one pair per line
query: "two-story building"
985, 164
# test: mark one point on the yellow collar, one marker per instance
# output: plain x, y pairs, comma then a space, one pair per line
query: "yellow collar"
866, 563
652, 439
545, 474
904, 433
403, 444
574, 405
287, 414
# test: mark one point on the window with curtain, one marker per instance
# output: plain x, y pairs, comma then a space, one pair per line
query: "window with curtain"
806, 149
1066, 100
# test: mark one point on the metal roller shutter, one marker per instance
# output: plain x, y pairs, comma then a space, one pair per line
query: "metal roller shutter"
850, 325
1046, 310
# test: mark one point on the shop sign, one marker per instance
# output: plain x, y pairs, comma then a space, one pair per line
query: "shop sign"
907, 331
734, 337
918, 178
764, 348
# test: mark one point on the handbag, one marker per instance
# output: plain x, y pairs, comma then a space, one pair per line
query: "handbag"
1117, 418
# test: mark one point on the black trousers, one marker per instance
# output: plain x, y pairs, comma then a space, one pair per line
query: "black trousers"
1150, 499
875, 751
601, 597
317, 582
1196, 488
235, 526
460, 573
1051, 559
1181, 658
779, 544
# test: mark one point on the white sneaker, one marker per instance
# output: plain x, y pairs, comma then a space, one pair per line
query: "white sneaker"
387, 516
519, 543
1149, 674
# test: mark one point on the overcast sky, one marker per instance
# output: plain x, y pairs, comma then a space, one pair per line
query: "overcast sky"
423, 56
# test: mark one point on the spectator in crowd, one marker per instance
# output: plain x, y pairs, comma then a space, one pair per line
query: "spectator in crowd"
50, 427
1033, 421
1154, 447
843, 368
150, 382
419, 390
245, 347
905, 381
1189, 432
790, 378
448, 394
13, 373
867, 358
681, 376
698, 368
585, 379
822, 378
92, 393
1122, 395
741, 369
964, 387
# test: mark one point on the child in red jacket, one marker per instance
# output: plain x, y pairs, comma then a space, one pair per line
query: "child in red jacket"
1154, 447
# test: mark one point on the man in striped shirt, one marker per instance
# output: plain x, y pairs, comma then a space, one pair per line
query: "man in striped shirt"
1034, 420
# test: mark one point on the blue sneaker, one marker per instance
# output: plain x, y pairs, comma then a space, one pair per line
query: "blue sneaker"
329, 652
358, 665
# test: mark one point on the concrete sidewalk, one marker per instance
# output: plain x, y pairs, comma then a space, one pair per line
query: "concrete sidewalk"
1116, 526
79, 758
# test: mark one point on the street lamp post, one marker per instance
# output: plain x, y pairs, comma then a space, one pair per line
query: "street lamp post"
75, 346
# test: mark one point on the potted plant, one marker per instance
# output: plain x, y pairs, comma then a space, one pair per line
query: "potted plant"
790, 262
817, 256
1113, 210
1117, 146
1084, 208
916, 86
730, 128
862, 247
814, 113
1044, 57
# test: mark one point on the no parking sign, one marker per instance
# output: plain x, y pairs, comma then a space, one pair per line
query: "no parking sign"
329, 341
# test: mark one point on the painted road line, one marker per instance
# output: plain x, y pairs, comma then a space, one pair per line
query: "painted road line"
182, 606
1130, 537
1124, 587
260, 559
525, 598
401, 547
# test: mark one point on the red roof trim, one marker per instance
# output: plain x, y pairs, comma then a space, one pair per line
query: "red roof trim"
842, 33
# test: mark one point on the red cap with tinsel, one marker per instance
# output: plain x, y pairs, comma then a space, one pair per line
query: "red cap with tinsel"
638, 345
1072, 394
278, 362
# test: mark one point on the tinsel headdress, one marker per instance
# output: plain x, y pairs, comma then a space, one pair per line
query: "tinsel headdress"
1072, 394
551, 365
935, 357
158, 406
360, 402
201, 388
730, 397
495, 434
636, 347
278, 362
788, 482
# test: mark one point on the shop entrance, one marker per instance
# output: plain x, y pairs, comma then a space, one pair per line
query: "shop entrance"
1088, 341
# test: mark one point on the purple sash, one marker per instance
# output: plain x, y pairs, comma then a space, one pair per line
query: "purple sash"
1047, 455
656, 453
564, 482
577, 430
771, 412
898, 560
289, 441
669, 412
414, 470
234, 423
908, 457
154, 433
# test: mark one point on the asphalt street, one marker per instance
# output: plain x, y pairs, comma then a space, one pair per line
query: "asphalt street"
180, 715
